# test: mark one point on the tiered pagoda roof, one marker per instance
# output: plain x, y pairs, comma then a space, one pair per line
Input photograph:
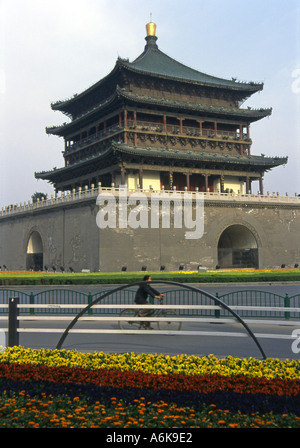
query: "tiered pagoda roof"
154, 63
119, 151
195, 95
162, 103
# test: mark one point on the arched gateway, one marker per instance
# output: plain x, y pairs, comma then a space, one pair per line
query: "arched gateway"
237, 248
34, 257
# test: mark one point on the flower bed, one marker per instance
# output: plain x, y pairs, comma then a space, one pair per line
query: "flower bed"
59, 388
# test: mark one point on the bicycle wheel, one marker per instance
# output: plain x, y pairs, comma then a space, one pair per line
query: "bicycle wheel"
131, 324
173, 325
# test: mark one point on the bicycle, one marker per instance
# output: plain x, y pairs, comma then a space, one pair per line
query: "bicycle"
162, 325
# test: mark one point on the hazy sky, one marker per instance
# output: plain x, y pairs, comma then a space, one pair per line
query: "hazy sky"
52, 49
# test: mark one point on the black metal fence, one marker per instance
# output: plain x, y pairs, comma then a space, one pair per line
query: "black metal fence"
253, 299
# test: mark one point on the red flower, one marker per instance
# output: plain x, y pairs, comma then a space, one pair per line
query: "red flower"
179, 382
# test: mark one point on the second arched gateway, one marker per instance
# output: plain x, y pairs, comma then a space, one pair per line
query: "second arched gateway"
237, 248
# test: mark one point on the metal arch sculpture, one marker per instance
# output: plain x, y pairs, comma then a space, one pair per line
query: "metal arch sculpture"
192, 288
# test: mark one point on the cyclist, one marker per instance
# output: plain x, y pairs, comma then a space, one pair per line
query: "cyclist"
141, 296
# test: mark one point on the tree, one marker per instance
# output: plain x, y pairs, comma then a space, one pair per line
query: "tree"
38, 195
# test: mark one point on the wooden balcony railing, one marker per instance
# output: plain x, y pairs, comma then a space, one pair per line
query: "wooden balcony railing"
143, 126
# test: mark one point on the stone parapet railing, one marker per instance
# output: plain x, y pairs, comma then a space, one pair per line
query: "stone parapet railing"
84, 194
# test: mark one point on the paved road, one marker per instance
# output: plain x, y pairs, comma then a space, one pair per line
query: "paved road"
200, 345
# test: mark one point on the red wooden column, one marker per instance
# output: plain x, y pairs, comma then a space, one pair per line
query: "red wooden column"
261, 185
201, 131
206, 182
241, 132
113, 178
181, 127
247, 185
188, 181
134, 122
123, 175
141, 178
170, 180
125, 127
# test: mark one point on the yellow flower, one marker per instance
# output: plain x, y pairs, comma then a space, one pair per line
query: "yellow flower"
156, 364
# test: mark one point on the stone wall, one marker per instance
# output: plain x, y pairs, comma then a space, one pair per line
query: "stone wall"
71, 237
275, 229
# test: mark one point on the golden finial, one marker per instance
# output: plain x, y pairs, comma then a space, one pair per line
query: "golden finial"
151, 27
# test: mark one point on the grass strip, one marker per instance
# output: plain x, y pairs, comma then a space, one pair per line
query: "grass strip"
232, 276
